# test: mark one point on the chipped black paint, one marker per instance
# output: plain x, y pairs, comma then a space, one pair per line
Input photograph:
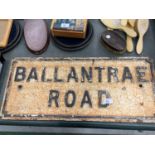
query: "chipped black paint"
72, 102
20, 74
141, 73
127, 74
33, 75
86, 99
53, 96
56, 78
43, 77
84, 75
107, 101
72, 75
99, 70
112, 72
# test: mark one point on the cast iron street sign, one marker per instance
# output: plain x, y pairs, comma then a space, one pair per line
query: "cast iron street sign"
80, 89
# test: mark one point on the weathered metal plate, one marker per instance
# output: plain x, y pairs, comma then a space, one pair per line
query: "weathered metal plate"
80, 89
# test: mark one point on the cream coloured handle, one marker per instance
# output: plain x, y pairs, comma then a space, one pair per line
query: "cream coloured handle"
129, 31
132, 22
129, 44
139, 48
124, 22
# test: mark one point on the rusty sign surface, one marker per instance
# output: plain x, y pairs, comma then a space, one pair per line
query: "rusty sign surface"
80, 89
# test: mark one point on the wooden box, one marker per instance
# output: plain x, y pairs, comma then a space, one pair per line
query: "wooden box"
72, 28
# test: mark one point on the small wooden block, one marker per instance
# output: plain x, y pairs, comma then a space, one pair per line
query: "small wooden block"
5, 29
73, 28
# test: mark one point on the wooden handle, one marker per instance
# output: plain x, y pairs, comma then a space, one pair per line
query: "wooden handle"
124, 22
129, 31
129, 44
8, 27
132, 22
139, 48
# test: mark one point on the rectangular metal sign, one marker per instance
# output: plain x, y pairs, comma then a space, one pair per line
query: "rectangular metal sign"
80, 89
